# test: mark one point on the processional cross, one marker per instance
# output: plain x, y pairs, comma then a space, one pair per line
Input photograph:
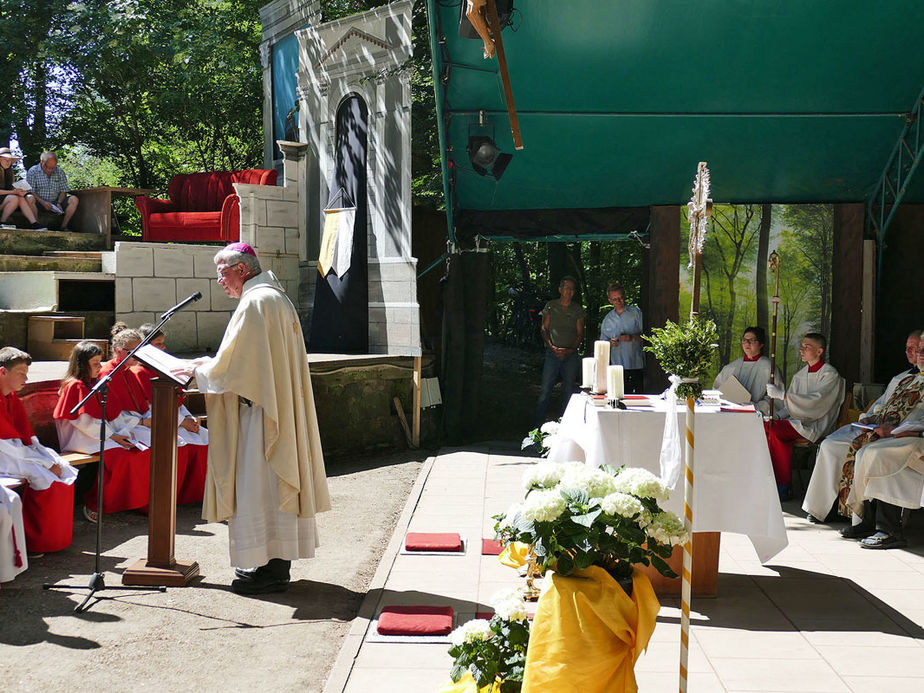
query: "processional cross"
700, 209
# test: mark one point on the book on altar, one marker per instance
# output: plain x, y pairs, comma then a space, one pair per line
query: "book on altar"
22, 185
734, 391
165, 364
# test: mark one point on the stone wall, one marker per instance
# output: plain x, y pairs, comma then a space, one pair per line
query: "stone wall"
152, 277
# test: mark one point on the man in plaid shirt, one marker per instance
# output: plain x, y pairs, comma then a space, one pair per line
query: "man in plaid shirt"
51, 189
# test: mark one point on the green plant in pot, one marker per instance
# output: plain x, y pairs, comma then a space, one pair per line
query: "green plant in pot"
685, 351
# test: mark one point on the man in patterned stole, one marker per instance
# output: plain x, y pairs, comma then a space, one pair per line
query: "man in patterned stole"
903, 406
825, 482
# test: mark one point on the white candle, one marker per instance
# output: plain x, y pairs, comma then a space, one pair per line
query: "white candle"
587, 373
614, 383
601, 360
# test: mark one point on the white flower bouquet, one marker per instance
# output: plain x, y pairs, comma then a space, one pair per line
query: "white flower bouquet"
575, 516
493, 651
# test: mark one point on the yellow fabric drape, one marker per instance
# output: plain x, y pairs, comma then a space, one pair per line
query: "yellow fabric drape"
467, 684
515, 554
588, 634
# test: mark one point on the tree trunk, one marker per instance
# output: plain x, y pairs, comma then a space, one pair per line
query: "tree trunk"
763, 250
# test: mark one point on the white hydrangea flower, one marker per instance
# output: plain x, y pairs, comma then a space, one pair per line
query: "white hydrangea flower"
550, 427
543, 474
543, 506
666, 528
594, 482
478, 629
622, 504
642, 483
509, 604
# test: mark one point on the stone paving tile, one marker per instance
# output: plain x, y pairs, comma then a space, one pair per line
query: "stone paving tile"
667, 682
884, 684
799, 675
848, 660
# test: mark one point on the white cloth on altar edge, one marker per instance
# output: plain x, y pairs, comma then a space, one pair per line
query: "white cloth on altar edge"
259, 530
33, 463
734, 489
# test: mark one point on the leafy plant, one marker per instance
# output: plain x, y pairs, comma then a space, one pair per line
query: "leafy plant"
686, 351
541, 438
575, 516
493, 651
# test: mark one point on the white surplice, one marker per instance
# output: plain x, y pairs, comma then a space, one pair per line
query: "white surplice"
11, 534
813, 401
33, 463
754, 376
890, 470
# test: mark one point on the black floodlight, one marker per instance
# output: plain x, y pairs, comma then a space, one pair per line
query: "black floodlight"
486, 158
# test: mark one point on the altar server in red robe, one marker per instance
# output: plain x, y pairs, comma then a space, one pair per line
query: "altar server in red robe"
48, 498
126, 481
192, 438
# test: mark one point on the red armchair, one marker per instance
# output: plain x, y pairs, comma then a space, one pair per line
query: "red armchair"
202, 207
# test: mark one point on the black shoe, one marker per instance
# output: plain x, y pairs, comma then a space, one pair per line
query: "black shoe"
881, 540
261, 583
814, 520
859, 531
785, 491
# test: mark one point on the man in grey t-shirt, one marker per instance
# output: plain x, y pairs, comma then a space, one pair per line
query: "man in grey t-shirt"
562, 332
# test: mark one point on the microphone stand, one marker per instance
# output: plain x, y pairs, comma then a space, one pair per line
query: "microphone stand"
97, 580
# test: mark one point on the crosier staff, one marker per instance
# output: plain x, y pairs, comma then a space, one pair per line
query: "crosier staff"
700, 208
774, 263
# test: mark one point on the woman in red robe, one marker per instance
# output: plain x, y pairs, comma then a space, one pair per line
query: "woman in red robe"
127, 475
193, 439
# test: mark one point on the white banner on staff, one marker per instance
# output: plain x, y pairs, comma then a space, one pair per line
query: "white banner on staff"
337, 241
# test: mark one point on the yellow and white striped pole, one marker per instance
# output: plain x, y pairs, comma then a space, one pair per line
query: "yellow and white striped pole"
687, 571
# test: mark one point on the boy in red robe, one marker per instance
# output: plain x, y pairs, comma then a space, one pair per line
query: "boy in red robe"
48, 498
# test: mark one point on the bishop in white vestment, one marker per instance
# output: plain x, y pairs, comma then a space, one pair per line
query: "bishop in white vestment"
266, 472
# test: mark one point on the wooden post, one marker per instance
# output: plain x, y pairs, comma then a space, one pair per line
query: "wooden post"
161, 567
415, 435
505, 75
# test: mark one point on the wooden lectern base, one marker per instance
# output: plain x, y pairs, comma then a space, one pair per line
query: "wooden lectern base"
705, 567
143, 573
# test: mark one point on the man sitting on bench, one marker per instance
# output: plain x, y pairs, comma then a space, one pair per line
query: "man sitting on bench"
48, 499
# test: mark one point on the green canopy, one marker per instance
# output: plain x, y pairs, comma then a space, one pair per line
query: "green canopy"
787, 100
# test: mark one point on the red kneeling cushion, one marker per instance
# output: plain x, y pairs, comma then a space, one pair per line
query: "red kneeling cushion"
415, 620
489, 547
423, 541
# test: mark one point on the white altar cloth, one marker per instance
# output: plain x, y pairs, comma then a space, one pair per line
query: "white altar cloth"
734, 489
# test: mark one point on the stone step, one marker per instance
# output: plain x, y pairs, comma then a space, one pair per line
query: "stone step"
60, 263
43, 291
87, 254
14, 325
23, 242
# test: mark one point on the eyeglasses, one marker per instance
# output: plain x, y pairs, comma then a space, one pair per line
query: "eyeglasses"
223, 272
744, 340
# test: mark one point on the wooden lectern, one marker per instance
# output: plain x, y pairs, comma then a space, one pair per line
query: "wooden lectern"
161, 567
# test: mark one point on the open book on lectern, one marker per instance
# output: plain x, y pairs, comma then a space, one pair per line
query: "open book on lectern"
164, 364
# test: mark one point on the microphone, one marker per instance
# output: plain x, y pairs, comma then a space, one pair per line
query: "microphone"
182, 304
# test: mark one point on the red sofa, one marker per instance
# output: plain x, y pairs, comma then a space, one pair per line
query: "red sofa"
202, 207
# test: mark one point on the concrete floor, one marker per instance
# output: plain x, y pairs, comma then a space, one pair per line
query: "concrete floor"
824, 615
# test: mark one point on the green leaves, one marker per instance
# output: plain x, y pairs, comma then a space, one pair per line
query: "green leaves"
685, 350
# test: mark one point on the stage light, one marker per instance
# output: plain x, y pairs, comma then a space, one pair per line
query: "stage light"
486, 158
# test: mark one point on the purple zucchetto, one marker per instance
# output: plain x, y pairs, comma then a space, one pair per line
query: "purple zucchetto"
239, 247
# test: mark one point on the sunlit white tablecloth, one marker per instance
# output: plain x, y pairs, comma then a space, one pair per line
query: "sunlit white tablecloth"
734, 488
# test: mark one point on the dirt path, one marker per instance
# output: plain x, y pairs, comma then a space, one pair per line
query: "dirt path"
203, 637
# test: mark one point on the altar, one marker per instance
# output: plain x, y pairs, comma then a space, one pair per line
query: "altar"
734, 488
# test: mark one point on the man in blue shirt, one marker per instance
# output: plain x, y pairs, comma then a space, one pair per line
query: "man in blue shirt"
49, 183
622, 326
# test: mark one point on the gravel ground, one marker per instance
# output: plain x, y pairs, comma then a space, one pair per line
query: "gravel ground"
203, 637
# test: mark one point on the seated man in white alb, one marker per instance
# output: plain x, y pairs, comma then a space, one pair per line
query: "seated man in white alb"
751, 370
888, 476
807, 411
12, 537
823, 487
